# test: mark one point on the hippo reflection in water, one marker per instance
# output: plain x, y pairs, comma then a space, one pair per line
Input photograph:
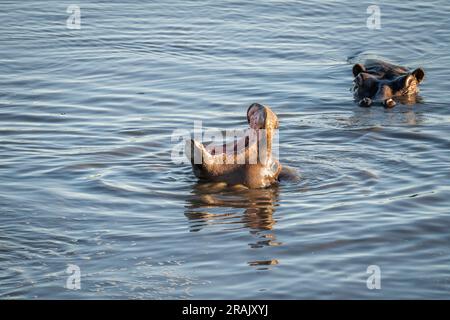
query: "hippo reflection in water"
381, 82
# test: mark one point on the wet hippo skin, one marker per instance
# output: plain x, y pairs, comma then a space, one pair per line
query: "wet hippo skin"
377, 81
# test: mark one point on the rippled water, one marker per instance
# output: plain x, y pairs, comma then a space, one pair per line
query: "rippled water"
86, 176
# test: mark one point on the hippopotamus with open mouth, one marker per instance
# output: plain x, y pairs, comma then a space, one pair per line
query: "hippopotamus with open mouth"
248, 161
381, 82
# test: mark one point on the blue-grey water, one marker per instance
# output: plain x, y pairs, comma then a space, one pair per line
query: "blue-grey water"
86, 175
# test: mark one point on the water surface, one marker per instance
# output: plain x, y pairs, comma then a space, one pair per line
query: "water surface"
86, 176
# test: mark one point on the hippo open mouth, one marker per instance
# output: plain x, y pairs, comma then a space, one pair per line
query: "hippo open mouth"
246, 161
262, 122
381, 82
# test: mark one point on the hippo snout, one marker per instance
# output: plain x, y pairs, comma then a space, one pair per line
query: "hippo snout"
381, 82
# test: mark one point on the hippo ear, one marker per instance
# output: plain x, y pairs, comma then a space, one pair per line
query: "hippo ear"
419, 73
358, 68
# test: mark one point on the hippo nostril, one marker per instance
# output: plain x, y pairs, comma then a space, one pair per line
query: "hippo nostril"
366, 102
389, 103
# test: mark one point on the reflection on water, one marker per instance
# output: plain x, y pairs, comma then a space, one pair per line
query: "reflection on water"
258, 206
217, 204
371, 117
86, 177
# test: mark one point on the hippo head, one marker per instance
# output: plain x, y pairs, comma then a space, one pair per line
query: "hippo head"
375, 86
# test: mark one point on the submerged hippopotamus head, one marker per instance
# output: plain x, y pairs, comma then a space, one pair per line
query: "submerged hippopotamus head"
382, 82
